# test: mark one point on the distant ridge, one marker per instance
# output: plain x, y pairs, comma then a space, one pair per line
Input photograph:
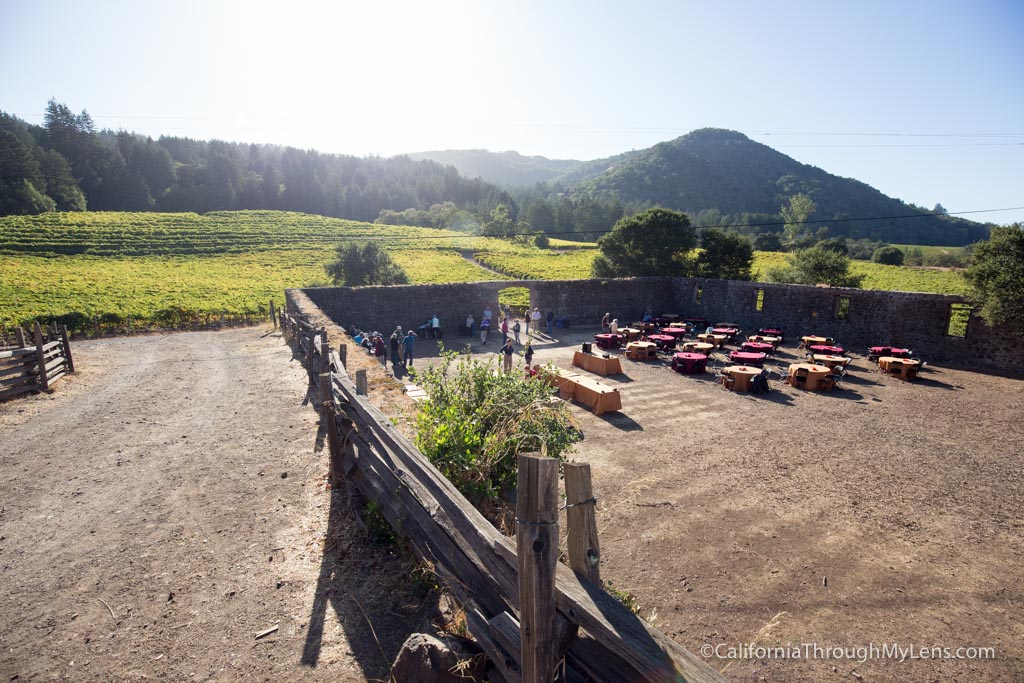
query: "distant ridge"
502, 168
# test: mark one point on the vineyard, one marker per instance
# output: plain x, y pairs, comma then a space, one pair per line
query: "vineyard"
167, 270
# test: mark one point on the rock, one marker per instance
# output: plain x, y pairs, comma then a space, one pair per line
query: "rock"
427, 659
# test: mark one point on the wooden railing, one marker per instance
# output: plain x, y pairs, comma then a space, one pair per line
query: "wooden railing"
513, 591
25, 368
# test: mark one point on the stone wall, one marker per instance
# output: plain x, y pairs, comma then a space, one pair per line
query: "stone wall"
918, 321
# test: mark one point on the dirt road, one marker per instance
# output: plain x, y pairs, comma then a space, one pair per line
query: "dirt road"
166, 505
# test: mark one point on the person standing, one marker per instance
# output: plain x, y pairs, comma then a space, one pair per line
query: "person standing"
408, 342
395, 350
606, 321
504, 331
485, 327
535, 320
515, 330
379, 351
508, 350
400, 335
551, 323
487, 313
470, 324
528, 352
435, 325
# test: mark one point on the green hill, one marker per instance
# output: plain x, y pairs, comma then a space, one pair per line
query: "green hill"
725, 170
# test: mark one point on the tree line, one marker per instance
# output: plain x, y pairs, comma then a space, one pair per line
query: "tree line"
67, 164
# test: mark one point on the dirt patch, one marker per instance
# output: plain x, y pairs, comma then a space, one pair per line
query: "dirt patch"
887, 512
167, 504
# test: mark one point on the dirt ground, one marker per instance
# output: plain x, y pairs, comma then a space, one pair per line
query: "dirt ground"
888, 512
167, 504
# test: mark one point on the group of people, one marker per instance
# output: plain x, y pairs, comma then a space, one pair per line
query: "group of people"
402, 345
531, 321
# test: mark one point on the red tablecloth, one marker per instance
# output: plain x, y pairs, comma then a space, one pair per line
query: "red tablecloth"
664, 341
731, 331
770, 331
829, 350
674, 332
747, 358
757, 347
608, 340
690, 363
888, 351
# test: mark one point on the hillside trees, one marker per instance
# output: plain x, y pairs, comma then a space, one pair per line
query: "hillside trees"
724, 255
795, 215
815, 266
655, 242
996, 276
356, 266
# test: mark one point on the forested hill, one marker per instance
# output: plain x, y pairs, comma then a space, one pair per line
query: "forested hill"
503, 168
713, 169
69, 165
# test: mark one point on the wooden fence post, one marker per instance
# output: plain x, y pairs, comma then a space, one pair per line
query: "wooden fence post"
325, 351
537, 542
327, 414
273, 315
66, 341
581, 520
41, 358
361, 382
19, 337
343, 354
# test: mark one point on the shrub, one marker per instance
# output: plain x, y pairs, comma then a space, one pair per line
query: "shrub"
888, 256
477, 419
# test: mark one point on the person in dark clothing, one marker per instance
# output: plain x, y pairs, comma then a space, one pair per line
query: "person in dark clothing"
507, 350
379, 351
395, 345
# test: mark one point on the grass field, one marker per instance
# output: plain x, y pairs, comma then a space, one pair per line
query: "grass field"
172, 269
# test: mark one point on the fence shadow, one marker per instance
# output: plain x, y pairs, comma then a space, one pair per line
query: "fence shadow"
366, 589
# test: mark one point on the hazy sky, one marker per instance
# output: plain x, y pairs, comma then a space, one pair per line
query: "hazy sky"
922, 100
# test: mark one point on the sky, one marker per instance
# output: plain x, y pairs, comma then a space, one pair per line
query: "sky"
921, 100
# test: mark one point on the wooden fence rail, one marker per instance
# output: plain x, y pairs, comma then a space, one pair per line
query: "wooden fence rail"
592, 635
24, 368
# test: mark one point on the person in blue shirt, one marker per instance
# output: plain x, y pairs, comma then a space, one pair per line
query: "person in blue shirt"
408, 342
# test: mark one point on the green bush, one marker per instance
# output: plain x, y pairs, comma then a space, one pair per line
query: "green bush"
478, 419
889, 256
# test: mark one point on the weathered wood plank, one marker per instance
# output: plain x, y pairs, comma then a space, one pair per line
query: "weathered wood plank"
43, 384
581, 522
537, 545
505, 662
18, 391
66, 343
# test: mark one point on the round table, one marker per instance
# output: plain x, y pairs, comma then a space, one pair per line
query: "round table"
716, 339
764, 339
907, 367
747, 358
641, 350
631, 333
771, 332
757, 347
664, 341
814, 373
676, 332
698, 347
727, 331
827, 349
891, 351
742, 376
811, 339
689, 363
608, 340
830, 360
646, 327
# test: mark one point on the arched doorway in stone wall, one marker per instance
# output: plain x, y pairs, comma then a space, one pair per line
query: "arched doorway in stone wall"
516, 298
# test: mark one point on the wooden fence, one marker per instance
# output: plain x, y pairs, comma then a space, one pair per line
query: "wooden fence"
537, 620
25, 368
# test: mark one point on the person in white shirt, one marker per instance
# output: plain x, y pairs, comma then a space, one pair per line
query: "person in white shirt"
535, 320
435, 325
